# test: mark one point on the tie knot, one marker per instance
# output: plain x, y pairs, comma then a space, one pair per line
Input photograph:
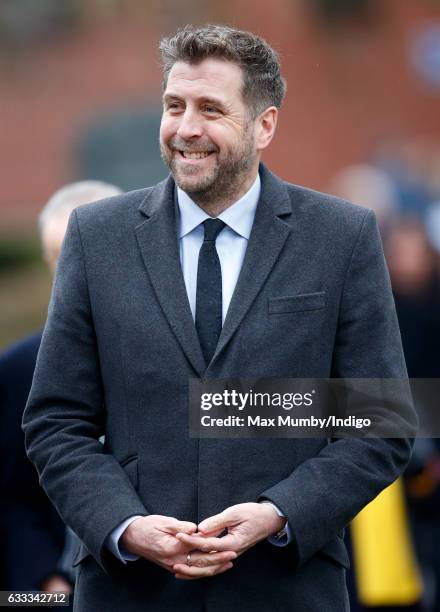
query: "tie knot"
213, 227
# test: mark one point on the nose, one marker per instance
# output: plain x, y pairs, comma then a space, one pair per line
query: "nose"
190, 125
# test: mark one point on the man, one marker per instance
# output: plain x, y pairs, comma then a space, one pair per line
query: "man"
32, 533
54, 217
222, 270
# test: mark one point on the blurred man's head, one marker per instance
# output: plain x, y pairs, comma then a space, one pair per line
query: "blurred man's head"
55, 215
411, 259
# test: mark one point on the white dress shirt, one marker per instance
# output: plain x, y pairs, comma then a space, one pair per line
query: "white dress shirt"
231, 247
231, 243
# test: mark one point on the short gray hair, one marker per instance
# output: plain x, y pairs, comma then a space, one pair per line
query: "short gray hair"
263, 85
69, 197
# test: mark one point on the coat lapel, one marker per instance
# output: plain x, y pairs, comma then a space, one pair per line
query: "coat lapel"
267, 238
157, 239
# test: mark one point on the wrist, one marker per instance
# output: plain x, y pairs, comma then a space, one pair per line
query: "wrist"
276, 521
129, 537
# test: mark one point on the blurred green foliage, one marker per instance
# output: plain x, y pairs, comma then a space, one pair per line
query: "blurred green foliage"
18, 251
24, 296
25, 284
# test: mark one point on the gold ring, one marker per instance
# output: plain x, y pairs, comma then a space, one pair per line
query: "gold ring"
188, 559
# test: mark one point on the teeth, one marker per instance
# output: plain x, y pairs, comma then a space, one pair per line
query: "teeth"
188, 155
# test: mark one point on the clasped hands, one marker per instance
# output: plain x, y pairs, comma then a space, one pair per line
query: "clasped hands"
167, 541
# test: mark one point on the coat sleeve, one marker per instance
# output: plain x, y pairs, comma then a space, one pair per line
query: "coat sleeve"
65, 415
325, 492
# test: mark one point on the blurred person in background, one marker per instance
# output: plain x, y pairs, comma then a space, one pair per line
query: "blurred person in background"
368, 186
413, 263
385, 573
412, 166
402, 192
35, 549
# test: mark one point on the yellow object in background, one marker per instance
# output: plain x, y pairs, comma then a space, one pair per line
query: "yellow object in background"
386, 568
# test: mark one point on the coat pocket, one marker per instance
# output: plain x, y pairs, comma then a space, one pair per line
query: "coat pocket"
297, 303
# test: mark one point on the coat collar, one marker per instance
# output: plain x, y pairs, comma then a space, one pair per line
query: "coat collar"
272, 188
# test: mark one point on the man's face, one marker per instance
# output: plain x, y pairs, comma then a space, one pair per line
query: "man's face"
206, 135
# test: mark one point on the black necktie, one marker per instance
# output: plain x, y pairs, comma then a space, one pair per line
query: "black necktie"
209, 290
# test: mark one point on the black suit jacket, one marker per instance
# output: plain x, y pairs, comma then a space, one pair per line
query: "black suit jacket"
119, 348
31, 532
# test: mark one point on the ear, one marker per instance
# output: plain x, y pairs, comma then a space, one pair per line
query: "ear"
265, 125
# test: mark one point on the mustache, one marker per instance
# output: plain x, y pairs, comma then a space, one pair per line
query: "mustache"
200, 147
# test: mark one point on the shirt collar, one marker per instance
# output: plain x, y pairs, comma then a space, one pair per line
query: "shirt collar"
239, 217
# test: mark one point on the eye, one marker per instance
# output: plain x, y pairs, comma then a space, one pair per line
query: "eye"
211, 110
173, 106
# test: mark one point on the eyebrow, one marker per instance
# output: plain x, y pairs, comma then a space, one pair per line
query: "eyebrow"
204, 100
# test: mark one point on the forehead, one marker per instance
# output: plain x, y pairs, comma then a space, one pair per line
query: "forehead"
210, 77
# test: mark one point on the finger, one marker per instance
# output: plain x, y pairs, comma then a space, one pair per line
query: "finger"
174, 547
206, 544
182, 526
197, 559
183, 572
202, 560
213, 534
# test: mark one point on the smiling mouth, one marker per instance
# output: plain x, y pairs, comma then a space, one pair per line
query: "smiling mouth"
195, 155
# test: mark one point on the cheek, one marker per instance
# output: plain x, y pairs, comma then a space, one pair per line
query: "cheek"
167, 130
225, 136
217, 136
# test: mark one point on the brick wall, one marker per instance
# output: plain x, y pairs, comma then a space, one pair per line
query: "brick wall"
348, 90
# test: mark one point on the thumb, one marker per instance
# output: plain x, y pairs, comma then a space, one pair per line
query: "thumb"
217, 523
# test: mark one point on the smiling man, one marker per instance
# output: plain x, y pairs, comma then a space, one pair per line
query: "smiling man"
209, 139
223, 270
